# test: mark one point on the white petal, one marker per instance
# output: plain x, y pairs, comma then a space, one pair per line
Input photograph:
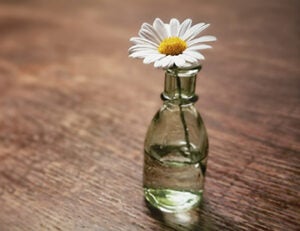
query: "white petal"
143, 46
179, 61
199, 47
171, 62
185, 64
194, 31
174, 27
157, 63
160, 28
164, 62
141, 54
189, 58
186, 24
167, 26
152, 30
194, 54
205, 38
140, 50
148, 35
190, 31
139, 40
153, 58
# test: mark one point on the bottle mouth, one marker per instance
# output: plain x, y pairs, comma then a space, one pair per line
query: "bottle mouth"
185, 100
183, 71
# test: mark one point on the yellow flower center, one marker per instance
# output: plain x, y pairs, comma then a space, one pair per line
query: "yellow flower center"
172, 46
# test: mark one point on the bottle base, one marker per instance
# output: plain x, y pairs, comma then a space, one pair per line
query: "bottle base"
172, 201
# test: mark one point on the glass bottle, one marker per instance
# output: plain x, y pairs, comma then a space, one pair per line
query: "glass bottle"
176, 146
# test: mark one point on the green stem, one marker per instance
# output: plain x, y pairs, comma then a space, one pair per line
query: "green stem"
186, 132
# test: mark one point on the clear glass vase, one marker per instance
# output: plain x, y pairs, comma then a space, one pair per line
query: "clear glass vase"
176, 146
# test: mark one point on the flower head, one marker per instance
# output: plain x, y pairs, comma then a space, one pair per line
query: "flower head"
173, 44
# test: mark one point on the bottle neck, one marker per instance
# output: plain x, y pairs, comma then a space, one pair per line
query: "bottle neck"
180, 85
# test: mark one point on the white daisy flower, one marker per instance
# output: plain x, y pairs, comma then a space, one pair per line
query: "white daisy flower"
173, 44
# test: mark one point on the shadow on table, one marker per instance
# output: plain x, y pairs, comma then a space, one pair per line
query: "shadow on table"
198, 219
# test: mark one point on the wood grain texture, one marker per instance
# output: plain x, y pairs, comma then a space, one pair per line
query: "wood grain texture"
74, 111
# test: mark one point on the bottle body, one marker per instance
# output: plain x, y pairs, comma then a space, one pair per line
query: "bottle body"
175, 151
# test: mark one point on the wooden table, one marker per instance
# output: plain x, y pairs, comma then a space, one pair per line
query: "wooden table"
74, 110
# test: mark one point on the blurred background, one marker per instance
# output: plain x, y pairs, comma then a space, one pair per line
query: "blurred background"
74, 110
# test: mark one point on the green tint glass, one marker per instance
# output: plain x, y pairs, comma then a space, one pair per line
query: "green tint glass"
176, 146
